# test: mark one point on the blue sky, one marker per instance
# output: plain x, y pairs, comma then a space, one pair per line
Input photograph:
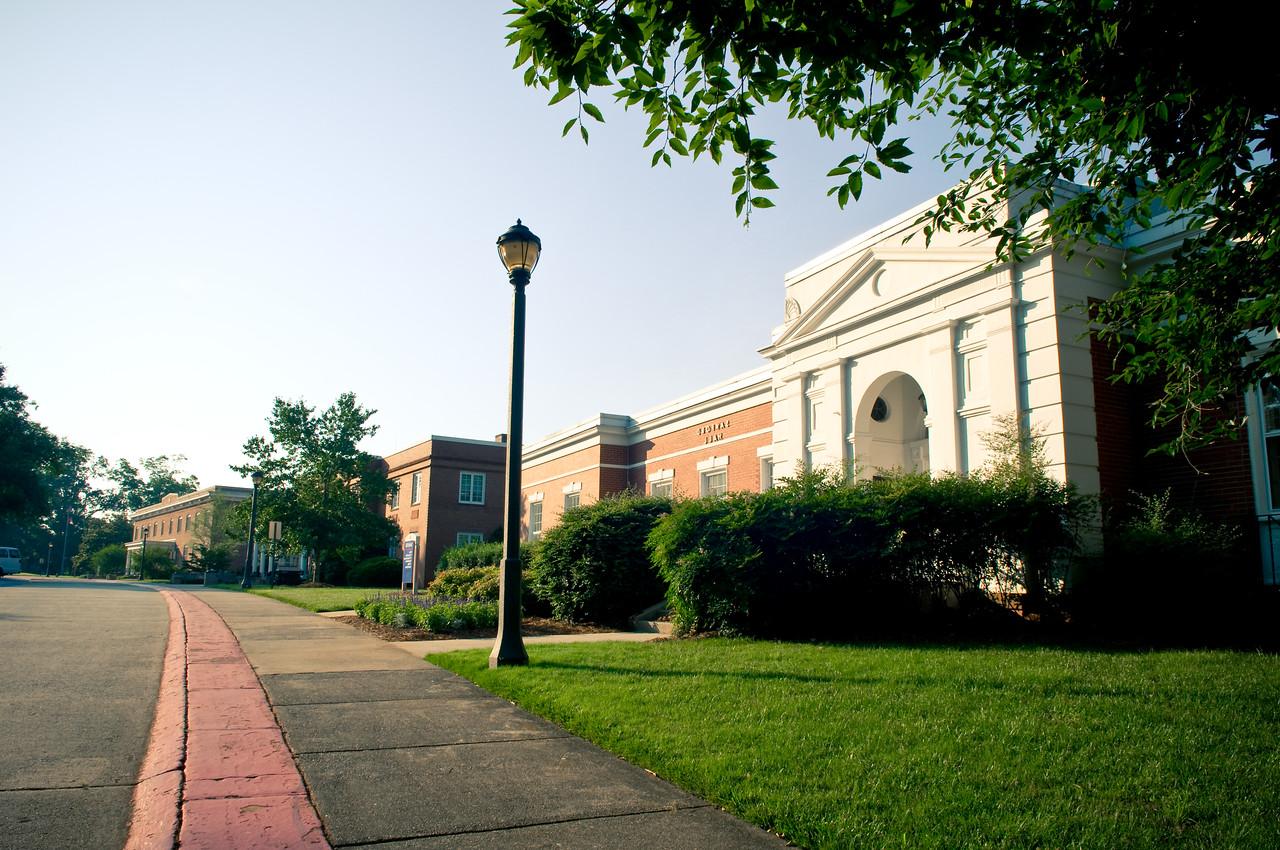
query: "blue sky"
204, 206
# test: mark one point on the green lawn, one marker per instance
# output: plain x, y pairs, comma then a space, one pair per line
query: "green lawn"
319, 598
932, 747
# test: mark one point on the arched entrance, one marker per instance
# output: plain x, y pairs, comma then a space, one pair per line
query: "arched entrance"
891, 427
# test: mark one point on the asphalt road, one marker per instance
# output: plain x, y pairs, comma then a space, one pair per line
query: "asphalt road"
79, 674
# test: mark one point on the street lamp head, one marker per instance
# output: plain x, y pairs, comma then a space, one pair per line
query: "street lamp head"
519, 250
257, 477
145, 533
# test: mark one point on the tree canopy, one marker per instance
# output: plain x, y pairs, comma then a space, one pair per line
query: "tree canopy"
318, 482
1137, 101
137, 488
29, 458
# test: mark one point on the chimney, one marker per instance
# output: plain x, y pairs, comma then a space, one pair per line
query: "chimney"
500, 438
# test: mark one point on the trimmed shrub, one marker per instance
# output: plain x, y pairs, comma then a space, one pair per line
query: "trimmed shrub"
459, 583
482, 583
379, 571
487, 554
819, 557
403, 610
109, 560
594, 566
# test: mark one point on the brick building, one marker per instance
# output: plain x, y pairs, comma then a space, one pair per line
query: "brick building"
712, 441
450, 491
173, 525
893, 354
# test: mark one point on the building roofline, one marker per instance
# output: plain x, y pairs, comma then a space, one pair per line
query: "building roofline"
194, 497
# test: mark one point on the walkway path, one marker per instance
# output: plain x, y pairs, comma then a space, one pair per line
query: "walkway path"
399, 753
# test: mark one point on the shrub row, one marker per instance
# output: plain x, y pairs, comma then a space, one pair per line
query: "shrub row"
431, 613
593, 566
487, 554
822, 557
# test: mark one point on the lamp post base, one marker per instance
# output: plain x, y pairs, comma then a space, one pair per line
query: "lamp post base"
508, 649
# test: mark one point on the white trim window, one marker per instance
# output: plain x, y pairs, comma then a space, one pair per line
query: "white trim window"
662, 483
415, 488
766, 472
395, 495
1271, 440
572, 494
471, 488
535, 520
713, 475
466, 537
715, 482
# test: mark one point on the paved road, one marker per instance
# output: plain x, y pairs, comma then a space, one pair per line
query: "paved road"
79, 672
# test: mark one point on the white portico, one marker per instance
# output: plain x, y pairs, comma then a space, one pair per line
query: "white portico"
895, 355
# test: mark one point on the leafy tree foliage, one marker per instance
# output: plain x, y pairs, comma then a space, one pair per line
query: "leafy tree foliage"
1132, 98
100, 533
28, 459
136, 488
318, 482
217, 532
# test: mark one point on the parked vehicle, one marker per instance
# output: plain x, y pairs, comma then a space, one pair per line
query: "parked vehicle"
10, 561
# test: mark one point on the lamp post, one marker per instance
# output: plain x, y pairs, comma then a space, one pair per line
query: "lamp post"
519, 250
246, 582
142, 559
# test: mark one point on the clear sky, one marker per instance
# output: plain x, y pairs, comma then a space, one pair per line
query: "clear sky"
207, 205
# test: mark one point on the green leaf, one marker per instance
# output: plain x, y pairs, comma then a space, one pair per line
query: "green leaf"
594, 111
568, 125
761, 202
561, 94
763, 182
582, 128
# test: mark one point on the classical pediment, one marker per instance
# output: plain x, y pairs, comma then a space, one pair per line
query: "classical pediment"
882, 279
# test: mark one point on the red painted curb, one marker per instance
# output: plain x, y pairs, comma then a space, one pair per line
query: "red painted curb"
217, 773
157, 798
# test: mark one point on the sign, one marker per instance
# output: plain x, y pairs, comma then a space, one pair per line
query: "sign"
274, 530
406, 566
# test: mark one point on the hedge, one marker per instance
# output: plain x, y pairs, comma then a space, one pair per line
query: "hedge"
594, 567
819, 557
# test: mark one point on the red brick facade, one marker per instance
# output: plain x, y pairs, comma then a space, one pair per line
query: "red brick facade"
1216, 481
440, 514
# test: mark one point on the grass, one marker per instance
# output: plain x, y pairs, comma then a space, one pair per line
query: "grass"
316, 599
932, 747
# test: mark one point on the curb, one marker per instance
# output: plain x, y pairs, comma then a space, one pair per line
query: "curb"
217, 772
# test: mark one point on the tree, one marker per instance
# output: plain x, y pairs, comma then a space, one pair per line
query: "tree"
318, 482
107, 561
28, 459
1134, 99
101, 532
218, 531
136, 488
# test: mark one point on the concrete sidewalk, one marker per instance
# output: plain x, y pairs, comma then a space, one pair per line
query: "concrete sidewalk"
399, 753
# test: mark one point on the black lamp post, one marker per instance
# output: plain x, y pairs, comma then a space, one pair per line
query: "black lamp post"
519, 250
246, 582
142, 559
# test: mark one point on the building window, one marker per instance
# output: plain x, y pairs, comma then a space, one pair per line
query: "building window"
766, 474
535, 520
471, 488
465, 537
395, 494
715, 482
1271, 439
171, 525
661, 489
571, 500
415, 488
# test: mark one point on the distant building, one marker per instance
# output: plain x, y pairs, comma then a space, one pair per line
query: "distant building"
172, 524
450, 491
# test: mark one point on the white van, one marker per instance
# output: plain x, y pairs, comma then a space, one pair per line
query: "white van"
10, 562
